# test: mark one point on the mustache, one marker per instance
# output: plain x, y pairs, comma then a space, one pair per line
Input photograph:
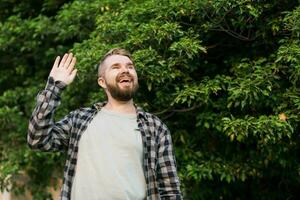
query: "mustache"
122, 75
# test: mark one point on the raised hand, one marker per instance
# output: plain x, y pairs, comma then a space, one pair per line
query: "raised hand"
63, 70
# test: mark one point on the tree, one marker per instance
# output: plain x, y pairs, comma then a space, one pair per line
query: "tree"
223, 75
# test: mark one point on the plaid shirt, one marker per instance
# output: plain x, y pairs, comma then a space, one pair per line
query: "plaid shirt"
47, 135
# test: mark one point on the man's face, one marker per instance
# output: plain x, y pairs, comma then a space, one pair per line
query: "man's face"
119, 78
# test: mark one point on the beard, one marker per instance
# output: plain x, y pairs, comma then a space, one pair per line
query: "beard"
124, 94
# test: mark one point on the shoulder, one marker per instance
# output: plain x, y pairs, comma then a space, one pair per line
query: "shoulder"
155, 119
152, 121
83, 112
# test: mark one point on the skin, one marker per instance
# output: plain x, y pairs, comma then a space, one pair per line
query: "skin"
63, 70
115, 65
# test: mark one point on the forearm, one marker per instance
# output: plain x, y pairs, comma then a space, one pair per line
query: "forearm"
169, 184
41, 125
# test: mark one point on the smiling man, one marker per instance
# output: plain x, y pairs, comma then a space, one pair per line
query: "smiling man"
115, 150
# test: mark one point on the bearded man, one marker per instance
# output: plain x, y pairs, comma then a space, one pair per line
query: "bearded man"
115, 150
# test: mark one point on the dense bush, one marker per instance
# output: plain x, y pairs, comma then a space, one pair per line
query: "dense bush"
224, 75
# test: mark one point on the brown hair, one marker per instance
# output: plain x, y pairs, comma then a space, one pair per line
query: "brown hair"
114, 51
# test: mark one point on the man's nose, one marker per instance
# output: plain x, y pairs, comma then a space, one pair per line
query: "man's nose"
125, 69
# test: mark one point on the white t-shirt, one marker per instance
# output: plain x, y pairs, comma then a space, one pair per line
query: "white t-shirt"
110, 159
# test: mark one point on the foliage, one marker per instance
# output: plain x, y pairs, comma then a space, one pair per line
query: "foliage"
223, 74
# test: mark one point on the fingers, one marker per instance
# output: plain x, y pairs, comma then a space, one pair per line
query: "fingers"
73, 74
63, 60
72, 64
56, 61
64, 69
68, 61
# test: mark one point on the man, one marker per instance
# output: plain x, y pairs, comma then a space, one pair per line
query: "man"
115, 150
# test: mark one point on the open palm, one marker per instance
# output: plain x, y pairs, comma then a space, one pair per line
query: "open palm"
63, 70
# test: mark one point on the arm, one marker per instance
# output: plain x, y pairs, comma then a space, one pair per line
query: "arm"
168, 180
43, 132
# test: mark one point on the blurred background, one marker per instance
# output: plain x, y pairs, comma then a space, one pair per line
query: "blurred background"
223, 75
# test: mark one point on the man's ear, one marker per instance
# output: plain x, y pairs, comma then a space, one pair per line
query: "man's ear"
101, 82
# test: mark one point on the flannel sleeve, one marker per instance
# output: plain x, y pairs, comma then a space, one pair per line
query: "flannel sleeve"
43, 132
168, 180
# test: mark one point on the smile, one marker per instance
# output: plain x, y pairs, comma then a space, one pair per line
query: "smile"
124, 79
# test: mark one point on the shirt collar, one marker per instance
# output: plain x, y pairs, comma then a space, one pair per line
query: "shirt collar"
140, 112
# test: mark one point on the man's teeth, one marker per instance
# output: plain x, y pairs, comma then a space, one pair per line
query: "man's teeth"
124, 81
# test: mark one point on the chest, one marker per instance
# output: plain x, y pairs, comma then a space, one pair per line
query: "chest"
110, 133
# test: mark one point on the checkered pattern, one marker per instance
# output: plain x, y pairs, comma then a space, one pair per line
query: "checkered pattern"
47, 135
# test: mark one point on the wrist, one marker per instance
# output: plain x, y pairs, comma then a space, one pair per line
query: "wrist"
55, 86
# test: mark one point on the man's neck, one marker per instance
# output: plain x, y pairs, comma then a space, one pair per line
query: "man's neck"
121, 106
